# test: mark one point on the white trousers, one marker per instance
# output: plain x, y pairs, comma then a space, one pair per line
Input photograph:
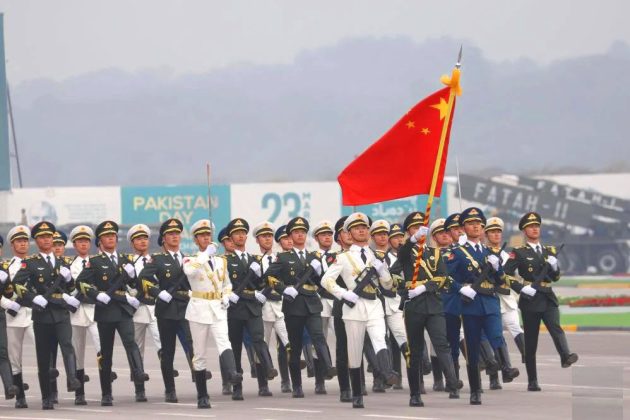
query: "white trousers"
201, 333
396, 326
15, 338
355, 331
140, 334
78, 342
511, 322
279, 327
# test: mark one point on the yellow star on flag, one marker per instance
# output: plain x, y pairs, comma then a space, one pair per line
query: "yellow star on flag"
442, 107
410, 124
425, 131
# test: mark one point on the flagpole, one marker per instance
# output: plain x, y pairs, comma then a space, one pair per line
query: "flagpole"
453, 83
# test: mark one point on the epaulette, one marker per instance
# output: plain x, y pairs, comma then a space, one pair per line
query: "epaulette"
379, 254
317, 254
5, 265
68, 260
258, 257
284, 252
551, 248
34, 257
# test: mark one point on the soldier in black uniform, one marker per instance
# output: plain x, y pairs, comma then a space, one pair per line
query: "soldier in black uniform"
10, 390
423, 307
163, 278
44, 282
105, 279
245, 311
301, 304
538, 266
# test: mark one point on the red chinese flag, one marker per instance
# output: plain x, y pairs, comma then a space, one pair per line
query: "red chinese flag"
401, 163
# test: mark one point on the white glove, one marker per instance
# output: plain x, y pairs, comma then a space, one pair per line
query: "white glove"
65, 273
494, 261
13, 305
71, 300
350, 296
3, 277
40, 300
422, 231
468, 291
234, 298
165, 296
133, 301
377, 264
210, 250
291, 291
225, 301
103, 298
255, 267
317, 266
553, 262
260, 297
528, 290
131, 271
462, 239
417, 291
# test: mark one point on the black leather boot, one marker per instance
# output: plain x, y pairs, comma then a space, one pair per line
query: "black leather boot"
79, 394
507, 371
203, 400
355, 382
438, 381
384, 363
20, 397
520, 343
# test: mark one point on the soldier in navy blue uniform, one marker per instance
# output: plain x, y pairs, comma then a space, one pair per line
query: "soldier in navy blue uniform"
105, 279
538, 266
301, 304
476, 273
45, 283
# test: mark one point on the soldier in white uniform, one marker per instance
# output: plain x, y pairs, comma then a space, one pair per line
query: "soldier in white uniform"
379, 231
272, 315
507, 297
19, 323
323, 235
207, 309
144, 318
82, 320
365, 312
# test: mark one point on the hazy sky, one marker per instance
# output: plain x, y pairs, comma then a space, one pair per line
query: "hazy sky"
59, 39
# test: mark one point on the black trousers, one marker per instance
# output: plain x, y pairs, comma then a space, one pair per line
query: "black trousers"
531, 328
236, 328
107, 335
295, 329
168, 329
415, 324
45, 336
341, 354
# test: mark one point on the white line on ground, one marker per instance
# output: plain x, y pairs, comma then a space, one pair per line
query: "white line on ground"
383, 416
209, 416
32, 418
287, 409
175, 404
86, 410
607, 388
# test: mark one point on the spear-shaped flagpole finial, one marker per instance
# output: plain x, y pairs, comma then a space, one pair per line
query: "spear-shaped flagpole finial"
459, 57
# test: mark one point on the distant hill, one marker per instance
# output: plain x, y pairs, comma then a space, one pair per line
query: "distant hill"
306, 121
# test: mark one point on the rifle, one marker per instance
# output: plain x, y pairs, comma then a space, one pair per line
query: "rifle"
482, 276
247, 281
542, 275
304, 278
364, 279
50, 291
114, 287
